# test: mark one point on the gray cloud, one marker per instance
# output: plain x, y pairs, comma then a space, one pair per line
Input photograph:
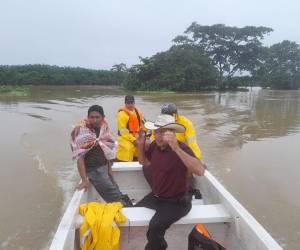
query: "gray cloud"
98, 33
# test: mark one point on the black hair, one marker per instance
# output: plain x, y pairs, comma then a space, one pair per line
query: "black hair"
96, 108
129, 99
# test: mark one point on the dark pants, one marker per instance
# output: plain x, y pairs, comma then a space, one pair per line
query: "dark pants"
168, 211
105, 184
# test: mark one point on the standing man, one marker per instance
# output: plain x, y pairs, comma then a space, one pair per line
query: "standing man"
169, 161
189, 137
129, 122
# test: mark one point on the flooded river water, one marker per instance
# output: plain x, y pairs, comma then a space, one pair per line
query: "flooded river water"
250, 141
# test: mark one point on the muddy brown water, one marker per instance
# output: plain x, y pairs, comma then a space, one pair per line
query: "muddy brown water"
250, 141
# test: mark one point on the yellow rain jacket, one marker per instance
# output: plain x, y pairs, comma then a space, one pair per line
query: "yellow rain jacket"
189, 136
98, 230
126, 148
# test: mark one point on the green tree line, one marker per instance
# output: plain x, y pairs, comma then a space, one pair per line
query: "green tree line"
53, 75
219, 57
202, 58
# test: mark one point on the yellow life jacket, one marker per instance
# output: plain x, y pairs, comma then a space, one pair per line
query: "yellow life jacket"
189, 137
128, 124
98, 230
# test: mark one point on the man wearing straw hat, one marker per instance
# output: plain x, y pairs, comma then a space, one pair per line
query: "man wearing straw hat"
169, 161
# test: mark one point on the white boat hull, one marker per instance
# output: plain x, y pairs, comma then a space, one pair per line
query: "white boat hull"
232, 225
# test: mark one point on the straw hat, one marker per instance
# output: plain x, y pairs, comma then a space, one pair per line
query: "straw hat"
165, 121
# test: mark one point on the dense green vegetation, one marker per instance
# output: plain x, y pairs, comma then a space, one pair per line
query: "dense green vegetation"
203, 58
54, 75
179, 68
280, 67
219, 57
231, 49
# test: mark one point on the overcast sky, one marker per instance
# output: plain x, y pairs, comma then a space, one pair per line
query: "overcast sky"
98, 33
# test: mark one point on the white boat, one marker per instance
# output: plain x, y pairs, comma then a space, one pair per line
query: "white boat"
226, 219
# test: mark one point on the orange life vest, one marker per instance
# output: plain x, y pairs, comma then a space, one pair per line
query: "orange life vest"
200, 238
135, 120
202, 229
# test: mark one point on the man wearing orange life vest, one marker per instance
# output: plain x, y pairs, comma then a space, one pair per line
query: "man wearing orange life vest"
129, 121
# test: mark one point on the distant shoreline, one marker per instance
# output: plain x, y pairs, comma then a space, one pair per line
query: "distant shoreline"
24, 76
24, 90
8, 91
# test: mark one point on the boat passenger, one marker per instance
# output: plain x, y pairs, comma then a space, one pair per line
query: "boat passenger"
169, 161
94, 149
129, 122
188, 137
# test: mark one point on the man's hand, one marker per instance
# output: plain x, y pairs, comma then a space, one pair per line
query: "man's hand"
140, 140
170, 138
83, 185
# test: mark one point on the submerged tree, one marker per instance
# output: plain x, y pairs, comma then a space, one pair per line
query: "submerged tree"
231, 49
280, 68
181, 68
121, 67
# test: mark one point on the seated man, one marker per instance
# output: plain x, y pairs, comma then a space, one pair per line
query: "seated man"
129, 122
93, 147
189, 137
168, 161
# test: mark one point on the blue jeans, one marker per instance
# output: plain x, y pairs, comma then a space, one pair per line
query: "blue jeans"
105, 184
